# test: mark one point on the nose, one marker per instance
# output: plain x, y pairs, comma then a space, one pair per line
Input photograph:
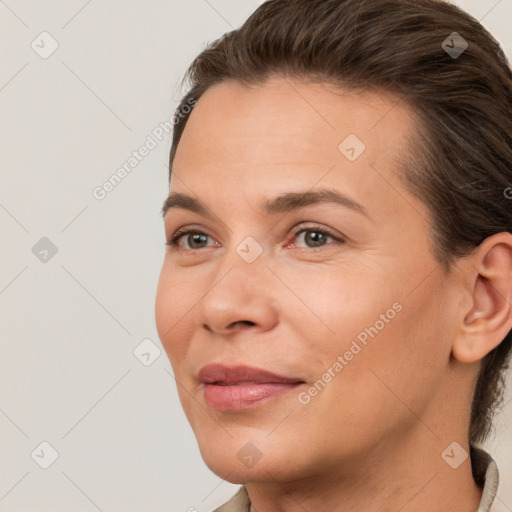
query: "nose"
240, 297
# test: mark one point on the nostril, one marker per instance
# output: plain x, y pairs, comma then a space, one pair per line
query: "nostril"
246, 322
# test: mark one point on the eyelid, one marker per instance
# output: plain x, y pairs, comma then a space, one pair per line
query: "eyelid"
309, 226
182, 232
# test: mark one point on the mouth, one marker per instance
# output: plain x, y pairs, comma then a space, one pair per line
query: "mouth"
241, 387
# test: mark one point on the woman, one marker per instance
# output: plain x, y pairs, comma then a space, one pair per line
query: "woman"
339, 333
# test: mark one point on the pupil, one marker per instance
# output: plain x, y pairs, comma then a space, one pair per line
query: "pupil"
195, 236
319, 235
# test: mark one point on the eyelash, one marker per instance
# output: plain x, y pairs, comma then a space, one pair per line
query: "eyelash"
180, 233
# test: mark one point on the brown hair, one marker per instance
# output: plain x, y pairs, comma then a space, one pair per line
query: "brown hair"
460, 158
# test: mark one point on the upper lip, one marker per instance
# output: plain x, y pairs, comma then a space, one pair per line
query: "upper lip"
219, 373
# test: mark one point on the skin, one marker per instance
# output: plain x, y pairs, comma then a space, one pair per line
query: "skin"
372, 439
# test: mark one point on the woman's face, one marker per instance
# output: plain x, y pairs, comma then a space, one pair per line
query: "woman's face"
345, 301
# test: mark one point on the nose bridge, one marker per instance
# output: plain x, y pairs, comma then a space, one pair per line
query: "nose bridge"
245, 249
249, 250
247, 260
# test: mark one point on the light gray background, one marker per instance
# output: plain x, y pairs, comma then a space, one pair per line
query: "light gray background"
69, 326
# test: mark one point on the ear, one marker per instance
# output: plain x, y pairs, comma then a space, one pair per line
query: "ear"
488, 320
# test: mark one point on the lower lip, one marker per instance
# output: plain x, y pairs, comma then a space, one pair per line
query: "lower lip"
230, 398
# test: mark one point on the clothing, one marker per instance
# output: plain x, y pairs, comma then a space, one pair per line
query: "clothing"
485, 474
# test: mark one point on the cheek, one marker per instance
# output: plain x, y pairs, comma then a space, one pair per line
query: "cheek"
366, 396
163, 307
379, 332
344, 306
404, 361
171, 315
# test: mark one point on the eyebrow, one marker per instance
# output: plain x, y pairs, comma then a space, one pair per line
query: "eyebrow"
284, 203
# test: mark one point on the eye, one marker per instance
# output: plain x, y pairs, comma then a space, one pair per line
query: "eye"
316, 237
193, 236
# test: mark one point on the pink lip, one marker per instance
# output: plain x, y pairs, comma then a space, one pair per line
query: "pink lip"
241, 387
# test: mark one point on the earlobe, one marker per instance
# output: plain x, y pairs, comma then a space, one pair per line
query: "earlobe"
489, 319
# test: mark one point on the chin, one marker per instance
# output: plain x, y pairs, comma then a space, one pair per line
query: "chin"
239, 466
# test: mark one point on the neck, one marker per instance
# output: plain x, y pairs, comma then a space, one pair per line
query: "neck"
406, 474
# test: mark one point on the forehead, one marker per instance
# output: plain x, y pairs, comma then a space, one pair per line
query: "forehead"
287, 134
293, 118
